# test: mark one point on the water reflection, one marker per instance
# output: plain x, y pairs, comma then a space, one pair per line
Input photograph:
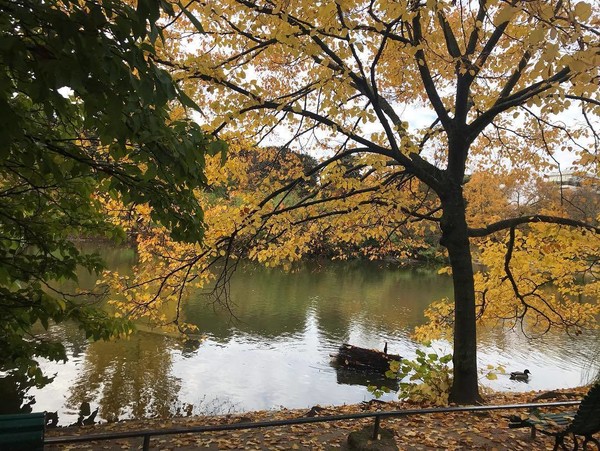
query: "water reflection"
348, 376
272, 303
277, 352
129, 378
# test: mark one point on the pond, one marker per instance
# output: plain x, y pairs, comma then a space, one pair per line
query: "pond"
276, 351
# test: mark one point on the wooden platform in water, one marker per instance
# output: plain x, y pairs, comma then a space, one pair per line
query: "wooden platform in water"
362, 358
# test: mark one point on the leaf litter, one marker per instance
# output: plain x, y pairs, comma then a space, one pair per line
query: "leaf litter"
451, 431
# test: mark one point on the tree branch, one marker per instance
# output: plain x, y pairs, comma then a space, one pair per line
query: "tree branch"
428, 83
516, 99
514, 222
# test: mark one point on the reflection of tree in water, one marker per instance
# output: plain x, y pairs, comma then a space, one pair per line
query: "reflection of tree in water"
13, 392
16, 386
131, 377
271, 302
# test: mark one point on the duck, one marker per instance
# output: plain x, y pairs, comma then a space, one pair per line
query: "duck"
520, 376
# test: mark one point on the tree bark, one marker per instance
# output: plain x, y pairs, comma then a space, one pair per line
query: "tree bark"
455, 238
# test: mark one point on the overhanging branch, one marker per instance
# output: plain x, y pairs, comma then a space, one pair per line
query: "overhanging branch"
514, 222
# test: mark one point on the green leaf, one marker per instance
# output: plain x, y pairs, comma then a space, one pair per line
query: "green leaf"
445, 359
394, 366
191, 17
216, 147
187, 101
4, 275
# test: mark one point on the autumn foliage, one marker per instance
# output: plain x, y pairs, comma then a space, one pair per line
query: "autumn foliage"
430, 120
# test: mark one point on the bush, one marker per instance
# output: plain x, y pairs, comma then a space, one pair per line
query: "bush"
425, 380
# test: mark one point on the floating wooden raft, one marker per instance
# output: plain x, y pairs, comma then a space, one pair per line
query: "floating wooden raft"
365, 359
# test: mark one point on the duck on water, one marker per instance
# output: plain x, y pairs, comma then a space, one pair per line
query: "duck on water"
520, 376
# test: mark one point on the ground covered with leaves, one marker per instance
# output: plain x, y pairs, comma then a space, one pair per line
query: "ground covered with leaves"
453, 431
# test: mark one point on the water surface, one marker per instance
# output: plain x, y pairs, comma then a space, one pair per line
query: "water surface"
276, 352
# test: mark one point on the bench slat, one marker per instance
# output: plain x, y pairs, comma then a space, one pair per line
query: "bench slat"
22, 431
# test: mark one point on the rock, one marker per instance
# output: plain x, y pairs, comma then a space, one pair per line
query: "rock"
363, 440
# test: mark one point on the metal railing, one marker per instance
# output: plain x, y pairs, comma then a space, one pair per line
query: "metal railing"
147, 434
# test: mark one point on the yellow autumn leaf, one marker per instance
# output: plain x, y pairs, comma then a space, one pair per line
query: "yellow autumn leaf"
583, 11
505, 15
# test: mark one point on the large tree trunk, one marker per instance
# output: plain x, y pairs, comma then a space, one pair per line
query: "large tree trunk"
455, 238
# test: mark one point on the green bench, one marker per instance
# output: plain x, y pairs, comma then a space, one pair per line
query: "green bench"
22, 432
583, 423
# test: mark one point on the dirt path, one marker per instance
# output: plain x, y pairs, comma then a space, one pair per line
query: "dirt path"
452, 431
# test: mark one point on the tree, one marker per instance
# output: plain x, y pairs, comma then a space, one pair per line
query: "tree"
497, 81
111, 131
496, 78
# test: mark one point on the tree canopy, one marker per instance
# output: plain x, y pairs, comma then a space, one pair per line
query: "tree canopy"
86, 115
424, 94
